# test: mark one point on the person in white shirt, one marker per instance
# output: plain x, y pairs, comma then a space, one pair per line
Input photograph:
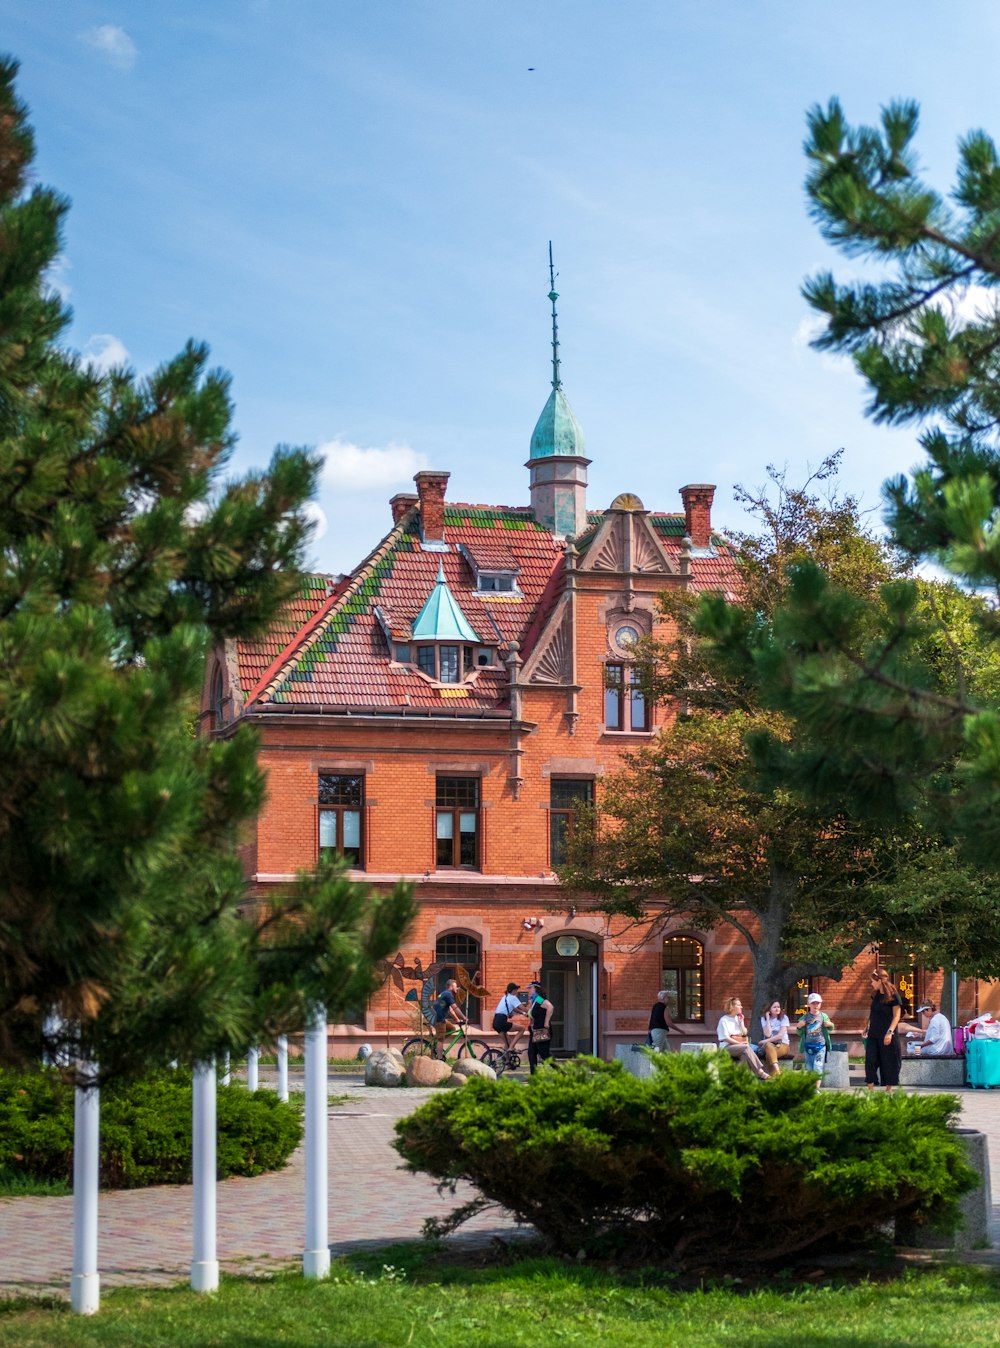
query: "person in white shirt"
774, 1025
508, 1006
734, 1040
937, 1031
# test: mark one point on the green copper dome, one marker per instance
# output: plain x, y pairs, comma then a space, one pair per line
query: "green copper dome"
557, 431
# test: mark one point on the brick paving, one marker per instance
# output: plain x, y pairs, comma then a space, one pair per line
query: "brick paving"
145, 1234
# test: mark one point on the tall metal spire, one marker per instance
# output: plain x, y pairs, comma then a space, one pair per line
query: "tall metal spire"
553, 296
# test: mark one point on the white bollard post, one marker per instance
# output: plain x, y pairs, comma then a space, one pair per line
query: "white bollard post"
85, 1287
225, 1068
282, 1067
253, 1055
204, 1265
316, 1259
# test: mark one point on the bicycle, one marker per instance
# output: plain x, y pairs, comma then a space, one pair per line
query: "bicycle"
457, 1039
502, 1060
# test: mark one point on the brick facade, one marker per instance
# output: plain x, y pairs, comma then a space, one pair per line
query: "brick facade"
339, 690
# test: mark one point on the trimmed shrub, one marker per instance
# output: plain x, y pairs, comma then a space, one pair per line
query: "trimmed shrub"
699, 1165
145, 1129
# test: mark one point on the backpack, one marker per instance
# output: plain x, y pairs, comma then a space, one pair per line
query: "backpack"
440, 1007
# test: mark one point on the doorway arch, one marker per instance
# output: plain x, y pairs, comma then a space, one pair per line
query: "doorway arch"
569, 979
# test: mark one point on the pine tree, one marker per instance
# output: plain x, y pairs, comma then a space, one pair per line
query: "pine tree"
124, 552
901, 713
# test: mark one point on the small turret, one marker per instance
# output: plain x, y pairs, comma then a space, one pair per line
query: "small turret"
557, 463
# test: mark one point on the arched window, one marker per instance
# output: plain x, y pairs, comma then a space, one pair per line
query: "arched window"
683, 961
454, 950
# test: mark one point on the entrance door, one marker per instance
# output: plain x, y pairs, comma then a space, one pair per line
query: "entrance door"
569, 979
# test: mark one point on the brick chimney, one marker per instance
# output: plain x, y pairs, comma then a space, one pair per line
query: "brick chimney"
431, 486
697, 500
400, 504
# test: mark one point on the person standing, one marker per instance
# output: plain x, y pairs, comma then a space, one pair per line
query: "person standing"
774, 1027
540, 1012
660, 1024
814, 1035
734, 1040
882, 1052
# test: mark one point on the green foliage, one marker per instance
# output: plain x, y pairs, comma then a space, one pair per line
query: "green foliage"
126, 553
899, 698
694, 827
145, 1129
699, 1165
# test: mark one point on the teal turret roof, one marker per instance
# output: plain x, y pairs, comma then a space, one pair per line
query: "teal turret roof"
556, 430
441, 619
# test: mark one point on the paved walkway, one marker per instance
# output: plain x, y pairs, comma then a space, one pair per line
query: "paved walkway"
145, 1234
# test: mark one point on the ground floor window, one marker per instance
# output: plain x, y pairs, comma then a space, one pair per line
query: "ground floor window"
458, 954
683, 977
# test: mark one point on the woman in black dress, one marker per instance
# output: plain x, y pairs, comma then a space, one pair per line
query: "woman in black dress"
539, 1034
882, 1051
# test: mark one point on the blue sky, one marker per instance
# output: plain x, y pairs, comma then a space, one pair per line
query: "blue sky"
351, 202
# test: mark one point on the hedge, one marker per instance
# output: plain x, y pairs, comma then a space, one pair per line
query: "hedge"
145, 1129
699, 1165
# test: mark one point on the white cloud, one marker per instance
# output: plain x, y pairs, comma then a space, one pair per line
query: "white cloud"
811, 327
56, 277
113, 43
352, 467
315, 512
104, 351
967, 304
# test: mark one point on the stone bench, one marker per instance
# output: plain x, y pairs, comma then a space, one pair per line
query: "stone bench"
932, 1070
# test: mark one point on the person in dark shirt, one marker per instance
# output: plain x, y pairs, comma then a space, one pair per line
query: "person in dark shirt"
660, 1024
540, 1011
446, 1014
882, 1051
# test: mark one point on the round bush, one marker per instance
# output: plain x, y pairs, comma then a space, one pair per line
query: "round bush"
145, 1129
699, 1164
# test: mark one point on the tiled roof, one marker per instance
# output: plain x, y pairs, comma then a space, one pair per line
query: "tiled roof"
255, 657
330, 648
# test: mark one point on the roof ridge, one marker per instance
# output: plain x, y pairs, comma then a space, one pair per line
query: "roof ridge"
282, 664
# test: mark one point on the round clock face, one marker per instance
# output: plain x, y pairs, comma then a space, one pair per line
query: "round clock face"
626, 636
567, 945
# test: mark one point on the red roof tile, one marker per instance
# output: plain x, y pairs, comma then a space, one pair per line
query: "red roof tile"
330, 648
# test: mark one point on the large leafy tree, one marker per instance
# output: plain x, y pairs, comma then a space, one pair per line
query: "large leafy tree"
691, 829
125, 551
698, 828
899, 716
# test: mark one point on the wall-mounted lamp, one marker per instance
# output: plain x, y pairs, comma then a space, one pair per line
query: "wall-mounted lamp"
530, 923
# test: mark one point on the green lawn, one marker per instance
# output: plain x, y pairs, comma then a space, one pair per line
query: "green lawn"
537, 1302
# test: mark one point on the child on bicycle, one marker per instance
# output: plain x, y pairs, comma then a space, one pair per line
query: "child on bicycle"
446, 1013
509, 1005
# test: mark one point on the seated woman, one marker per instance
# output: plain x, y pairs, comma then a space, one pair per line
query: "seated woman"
734, 1040
937, 1031
774, 1025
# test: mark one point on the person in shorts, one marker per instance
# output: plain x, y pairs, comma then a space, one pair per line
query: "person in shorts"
509, 1006
446, 1013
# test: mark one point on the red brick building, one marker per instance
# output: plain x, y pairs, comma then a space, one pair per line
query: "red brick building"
439, 713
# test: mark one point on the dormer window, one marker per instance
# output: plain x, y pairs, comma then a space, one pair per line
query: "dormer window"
496, 582
448, 663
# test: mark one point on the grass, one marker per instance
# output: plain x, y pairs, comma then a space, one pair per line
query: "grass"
402, 1297
16, 1185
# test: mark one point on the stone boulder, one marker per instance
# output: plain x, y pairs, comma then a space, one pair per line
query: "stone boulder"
472, 1067
384, 1067
424, 1071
